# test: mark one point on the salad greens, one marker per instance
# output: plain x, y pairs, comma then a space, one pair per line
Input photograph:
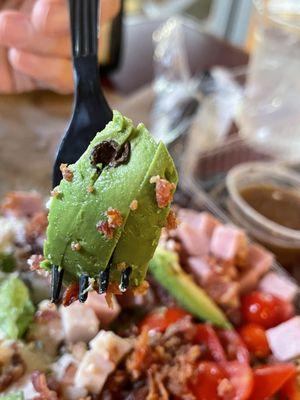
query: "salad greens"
16, 308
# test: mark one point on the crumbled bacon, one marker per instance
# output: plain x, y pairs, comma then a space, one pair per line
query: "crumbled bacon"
55, 193
165, 364
34, 262
90, 189
22, 204
71, 294
172, 221
75, 246
134, 205
163, 190
36, 226
11, 370
104, 228
225, 389
114, 218
66, 172
40, 384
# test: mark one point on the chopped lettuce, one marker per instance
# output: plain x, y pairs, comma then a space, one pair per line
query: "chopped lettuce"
16, 309
13, 396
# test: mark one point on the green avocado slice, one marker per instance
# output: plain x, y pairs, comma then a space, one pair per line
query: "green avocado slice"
75, 212
166, 269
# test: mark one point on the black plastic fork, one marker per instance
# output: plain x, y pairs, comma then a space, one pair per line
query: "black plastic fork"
91, 113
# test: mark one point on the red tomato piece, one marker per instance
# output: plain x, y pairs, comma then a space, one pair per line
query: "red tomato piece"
290, 390
234, 346
213, 350
208, 377
241, 377
269, 379
160, 320
254, 337
265, 309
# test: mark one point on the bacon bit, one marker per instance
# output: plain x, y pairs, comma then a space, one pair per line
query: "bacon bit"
71, 294
172, 220
142, 289
22, 204
104, 228
225, 389
163, 191
66, 172
137, 359
39, 383
154, 179
75, 246
134, 205
90, 189
55, 193
34, 262
114, 217
12, 370
36, 226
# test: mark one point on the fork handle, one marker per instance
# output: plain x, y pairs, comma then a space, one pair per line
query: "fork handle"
84, 34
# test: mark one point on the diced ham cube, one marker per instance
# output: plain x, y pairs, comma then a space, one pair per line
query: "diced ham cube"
230, 244
93, 371
200, 269
111, 346
259, 262
80, 323
195, 230
99, 305
195, 242
279, 285
203, 221
284, 339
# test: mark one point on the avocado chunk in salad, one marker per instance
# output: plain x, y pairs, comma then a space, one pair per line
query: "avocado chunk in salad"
106, 212
166, 269
13, 396
16, 308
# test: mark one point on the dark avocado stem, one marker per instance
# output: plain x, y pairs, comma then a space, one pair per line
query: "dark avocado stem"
56, 283
83, 285
125, 279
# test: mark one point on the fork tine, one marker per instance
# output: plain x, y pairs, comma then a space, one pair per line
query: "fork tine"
56, 283
104, 280
125, 279
83, 285
84, 23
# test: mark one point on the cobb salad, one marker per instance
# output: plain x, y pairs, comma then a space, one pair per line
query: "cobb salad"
216, 322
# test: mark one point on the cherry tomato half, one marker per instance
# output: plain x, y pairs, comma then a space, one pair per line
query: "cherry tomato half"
255, 339
233, 345
265, 309
290, 390
269, 379
207, 380
161, 319
211, 346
